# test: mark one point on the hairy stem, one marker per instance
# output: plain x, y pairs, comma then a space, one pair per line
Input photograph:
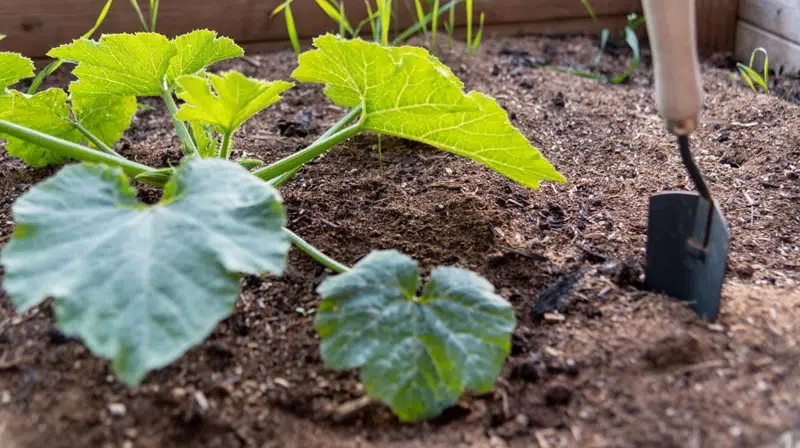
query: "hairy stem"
96, 141
71, 150
189, 148
315, 253
300, 158
227, 146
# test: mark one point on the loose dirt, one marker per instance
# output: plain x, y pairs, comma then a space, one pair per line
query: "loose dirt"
608, 364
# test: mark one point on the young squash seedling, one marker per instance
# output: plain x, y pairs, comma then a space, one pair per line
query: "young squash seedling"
140, 284
751, 76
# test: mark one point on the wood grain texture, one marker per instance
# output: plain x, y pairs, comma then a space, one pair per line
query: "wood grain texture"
716, 25
780, 17
35, 26
784, 55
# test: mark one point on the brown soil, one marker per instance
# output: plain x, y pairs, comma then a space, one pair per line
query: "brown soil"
623, 368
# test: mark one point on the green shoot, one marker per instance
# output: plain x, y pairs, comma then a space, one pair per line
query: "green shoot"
633, 42
478, 36
469, 28
590, 10
336, 15
751, 76
53, 66
450, 26
290, 25
153, 14
421, 16
385, 14
434, 24
343, 15
135, 4
371, 18
604, 35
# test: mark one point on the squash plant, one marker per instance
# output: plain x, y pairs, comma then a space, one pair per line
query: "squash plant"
140, 284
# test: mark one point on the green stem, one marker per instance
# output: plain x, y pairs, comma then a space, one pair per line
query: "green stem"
189, 148
283, 178
315, 253
227, 144
96, 141
135, 4
300, 158
347, 119
71, 150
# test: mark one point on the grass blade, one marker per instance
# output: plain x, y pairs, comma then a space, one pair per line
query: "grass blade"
421, 16
479, 35
633, 42
135, 4
590, 10
414, 29
153, 14
373, 15
334, 14
290, 27
469, 25
385, 9
603, 43
434, 24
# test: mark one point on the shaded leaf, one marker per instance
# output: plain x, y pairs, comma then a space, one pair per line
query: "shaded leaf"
141, 284
234, 100
416, 354
408, 93
119, 64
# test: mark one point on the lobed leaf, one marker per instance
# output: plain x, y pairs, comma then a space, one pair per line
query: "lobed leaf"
140, 285
105, 116
13, 67
416, 354
235, 98
408, 93
197, 50
46, 112
119, 64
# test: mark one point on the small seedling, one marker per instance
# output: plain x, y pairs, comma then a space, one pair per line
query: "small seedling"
305, 312
751, 76
148, 25
336, 12
286, 8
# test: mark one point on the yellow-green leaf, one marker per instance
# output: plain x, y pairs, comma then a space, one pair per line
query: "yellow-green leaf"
235, 98
199, 49
105, 116
119, 64
46, 112
13, 67
408, 93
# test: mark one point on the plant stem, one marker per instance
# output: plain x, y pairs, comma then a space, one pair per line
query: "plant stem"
96, 141
315, 253
135, 4
283, 178
355, 112
188, 145
300, 158
71, 150
227, 145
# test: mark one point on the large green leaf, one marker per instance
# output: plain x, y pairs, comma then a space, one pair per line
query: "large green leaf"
235, 99
13, 67
46, 112
141, 284
417, 354
199, 49
408, 93
119, 64
105, 116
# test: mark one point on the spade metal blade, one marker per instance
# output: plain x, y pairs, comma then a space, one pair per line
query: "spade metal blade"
681, 260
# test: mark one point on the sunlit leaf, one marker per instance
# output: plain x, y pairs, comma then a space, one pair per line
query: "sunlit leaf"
235, 98
199, 49
13, 67
408, 93
119, 64
139, 284
105, 116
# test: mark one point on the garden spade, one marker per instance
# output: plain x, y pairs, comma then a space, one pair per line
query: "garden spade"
687, 236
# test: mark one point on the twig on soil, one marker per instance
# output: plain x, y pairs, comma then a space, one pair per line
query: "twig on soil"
346, 410
713, 364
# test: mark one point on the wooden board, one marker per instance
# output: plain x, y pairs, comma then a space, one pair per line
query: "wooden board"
784, 55
35, 26
779, 17
716, 25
